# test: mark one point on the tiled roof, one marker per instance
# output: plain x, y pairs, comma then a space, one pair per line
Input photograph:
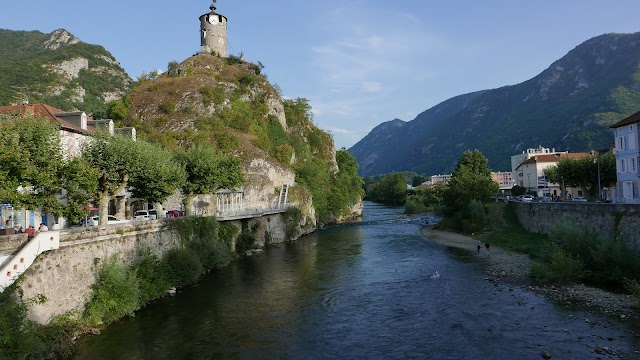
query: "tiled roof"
551, 158
45, 111
635, 118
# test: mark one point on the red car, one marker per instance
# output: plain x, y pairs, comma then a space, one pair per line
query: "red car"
175, 213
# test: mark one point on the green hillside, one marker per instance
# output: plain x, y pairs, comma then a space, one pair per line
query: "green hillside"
569, 106
58, 69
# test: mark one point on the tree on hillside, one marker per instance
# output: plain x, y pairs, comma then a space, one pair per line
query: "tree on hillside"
583, 173
207, 171
347, 189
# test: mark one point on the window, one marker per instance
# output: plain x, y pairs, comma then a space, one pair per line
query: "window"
633, 165
631, 144
627, 190
630, 127
620, 143
622, 167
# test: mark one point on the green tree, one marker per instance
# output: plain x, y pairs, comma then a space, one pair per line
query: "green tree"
207, 171
471, 180
80, 180
583, 172
30, 161
417, 180
158, 175
347, 189
116, 160
392, 189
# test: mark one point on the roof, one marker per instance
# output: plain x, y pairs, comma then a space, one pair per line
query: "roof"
635, 118
45, 111
552, 158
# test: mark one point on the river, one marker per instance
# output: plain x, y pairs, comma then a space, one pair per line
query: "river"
361, 290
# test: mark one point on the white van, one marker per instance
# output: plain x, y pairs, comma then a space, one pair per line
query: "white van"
141, 215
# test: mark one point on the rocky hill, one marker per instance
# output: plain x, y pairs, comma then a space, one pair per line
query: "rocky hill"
58, 69
226, 103
568, 106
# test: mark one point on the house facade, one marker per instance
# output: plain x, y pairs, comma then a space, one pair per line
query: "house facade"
531, 175
518, 159
627, 189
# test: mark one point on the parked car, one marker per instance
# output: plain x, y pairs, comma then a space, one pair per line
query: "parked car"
141, 215
93, 220
153, 214
543, 199
527, 198
579, 199
175, 213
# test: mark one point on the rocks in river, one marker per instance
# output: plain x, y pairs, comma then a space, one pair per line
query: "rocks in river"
171, 291
604, 350
546, 355
95, 331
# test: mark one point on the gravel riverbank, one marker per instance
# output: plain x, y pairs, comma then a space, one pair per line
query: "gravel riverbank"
513, 268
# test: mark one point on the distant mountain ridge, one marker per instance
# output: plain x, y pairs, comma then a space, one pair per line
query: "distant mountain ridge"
58, 69
569, 106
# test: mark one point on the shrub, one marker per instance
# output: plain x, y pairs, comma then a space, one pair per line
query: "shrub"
634, 288
151, 279
562, 267
168, 107
414, 205
608, 261
292, 216
212, 95
115, 294
181, 266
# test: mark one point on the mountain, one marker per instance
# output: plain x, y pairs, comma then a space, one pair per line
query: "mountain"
58, 69
569, 106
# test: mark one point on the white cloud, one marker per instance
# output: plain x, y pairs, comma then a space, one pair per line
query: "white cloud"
371, 86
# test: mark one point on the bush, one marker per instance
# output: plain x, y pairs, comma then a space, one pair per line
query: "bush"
181, 266
151, 278
633, 286
116, 294
608, 261
562, 267
415, 205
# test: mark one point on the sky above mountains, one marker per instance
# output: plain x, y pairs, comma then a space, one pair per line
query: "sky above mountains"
359, 62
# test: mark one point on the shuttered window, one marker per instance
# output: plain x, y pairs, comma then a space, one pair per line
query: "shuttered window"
627, 190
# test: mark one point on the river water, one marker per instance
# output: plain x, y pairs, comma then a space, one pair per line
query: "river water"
364, 290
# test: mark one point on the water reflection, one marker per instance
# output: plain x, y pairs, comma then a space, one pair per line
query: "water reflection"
354, 291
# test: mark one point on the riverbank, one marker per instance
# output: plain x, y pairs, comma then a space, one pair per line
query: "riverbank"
513, 268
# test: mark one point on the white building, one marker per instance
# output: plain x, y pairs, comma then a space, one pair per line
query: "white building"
627, 189
531, 174
518, 159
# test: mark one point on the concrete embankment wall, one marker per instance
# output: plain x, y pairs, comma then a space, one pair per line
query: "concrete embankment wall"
610, 220
65, 276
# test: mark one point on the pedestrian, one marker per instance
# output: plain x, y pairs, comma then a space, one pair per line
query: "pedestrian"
31, 231
43, 227
487, 246
478, 246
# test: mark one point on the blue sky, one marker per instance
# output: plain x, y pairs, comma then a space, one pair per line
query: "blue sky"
359, 62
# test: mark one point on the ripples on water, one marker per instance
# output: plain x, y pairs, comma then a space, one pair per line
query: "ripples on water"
361, 290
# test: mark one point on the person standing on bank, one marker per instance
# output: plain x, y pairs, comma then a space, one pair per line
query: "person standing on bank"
478, 246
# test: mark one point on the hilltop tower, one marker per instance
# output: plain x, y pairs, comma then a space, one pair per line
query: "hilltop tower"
213, 33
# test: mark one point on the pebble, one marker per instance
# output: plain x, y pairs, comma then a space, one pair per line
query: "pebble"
546, 355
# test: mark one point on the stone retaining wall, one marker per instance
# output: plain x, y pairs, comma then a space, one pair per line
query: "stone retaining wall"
65, 276
610, 220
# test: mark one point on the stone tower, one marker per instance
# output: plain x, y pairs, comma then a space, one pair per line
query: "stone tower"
213, 33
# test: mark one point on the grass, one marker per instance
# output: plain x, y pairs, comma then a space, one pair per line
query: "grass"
508, 234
